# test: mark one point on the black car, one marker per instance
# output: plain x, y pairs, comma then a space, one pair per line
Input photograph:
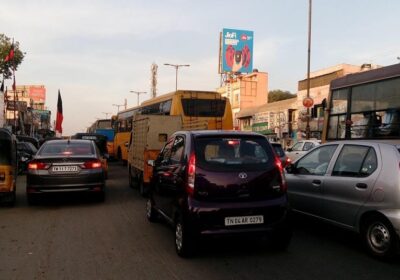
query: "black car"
26, 151
215, 183
66, 166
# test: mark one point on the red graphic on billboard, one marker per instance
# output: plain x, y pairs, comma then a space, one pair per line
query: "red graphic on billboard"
37, 93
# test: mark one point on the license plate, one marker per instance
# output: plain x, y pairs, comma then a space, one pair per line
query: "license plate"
244, 220
64, 169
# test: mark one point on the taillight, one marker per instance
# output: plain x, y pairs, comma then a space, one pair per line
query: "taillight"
92, 164
283, 183
191, 173
37, 165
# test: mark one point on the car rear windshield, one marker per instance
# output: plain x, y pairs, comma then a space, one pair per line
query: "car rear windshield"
203, 107
66, 149
278, 150
233, 153
5, 151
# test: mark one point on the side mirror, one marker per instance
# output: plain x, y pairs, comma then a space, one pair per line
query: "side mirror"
126, 144
290, 168
106, 156
151, 162
289, 149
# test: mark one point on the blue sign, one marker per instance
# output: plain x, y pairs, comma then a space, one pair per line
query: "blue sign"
237, 51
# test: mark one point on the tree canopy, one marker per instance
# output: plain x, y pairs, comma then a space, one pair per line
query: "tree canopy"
277, 95
6, 67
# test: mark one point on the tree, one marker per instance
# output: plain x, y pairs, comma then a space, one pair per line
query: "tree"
277, 95
6, 67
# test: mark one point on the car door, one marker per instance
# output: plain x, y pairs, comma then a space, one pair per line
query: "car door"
170, 175
306, 180
350, 183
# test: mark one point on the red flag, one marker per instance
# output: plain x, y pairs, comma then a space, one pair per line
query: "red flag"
59, 118
10, 55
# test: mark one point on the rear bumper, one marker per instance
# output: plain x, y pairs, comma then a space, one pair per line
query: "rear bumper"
208, 218
43, 184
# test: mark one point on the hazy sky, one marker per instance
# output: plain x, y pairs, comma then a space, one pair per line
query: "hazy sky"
95, 52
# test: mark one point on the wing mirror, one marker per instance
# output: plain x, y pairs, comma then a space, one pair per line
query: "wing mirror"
290, 168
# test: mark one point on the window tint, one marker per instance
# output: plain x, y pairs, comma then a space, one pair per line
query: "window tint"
67, 149
177, 149
237, 153
317, 161
308, 146
166, 151
355, 161
204, 107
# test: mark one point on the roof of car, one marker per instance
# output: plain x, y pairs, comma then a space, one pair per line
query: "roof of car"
221, 132
65, 141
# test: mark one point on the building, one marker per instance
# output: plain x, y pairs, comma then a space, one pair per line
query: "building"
245, 91
25, 109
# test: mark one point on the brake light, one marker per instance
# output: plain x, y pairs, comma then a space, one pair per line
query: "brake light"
283, 183
93, 164
36, 165
191, 172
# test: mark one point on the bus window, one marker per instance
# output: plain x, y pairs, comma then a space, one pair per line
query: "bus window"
203, 107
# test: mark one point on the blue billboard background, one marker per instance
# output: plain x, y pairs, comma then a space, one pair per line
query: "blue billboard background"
237, 51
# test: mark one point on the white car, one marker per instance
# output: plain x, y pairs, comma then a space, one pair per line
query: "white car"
300, 148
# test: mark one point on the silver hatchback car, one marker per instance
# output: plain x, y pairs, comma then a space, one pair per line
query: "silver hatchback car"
355, 185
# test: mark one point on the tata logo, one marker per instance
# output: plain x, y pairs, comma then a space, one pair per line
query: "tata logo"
242, 175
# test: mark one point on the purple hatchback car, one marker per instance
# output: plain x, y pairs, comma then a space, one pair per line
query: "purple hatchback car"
214, 183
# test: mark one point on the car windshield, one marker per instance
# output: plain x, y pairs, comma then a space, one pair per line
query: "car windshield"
66, 149
233, 153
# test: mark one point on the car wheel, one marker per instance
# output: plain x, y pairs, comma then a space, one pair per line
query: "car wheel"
151, 213
184, 240
142, 187
101, 196
131, 184
32, 199
380, 238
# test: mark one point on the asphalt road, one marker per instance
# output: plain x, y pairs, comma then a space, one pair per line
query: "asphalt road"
77, 238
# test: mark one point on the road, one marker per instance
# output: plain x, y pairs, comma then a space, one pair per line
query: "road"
77, 238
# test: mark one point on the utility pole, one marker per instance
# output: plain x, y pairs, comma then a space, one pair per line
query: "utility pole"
138, 93
117, 105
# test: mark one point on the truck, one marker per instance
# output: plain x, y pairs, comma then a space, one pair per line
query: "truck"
149, 135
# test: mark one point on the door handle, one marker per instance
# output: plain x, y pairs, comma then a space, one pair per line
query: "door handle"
361, 185
316, 182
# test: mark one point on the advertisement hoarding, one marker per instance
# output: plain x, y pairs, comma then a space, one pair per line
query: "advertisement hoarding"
37, 94
236, 51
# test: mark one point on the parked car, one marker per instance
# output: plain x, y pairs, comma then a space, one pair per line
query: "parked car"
215, 183
301, 148
285, 160
65, 166
354, 185
26, 151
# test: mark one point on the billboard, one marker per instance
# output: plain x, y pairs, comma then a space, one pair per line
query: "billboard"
37, 94
236, 53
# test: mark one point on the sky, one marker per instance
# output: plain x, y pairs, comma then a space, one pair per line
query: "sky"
96, 52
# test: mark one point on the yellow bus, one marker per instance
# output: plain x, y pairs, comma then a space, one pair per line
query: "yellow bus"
198, 110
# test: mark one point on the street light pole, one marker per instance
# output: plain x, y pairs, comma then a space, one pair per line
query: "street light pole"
308, 67
106, 113
117, 105
138, 93
176, 66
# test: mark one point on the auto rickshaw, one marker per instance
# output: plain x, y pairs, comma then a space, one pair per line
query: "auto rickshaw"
8, 167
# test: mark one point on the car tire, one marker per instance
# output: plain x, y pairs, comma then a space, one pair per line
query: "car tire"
32, 199
281, 237
380, 238
151, 214
143, 190
101, 196
184, 239
131, 181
